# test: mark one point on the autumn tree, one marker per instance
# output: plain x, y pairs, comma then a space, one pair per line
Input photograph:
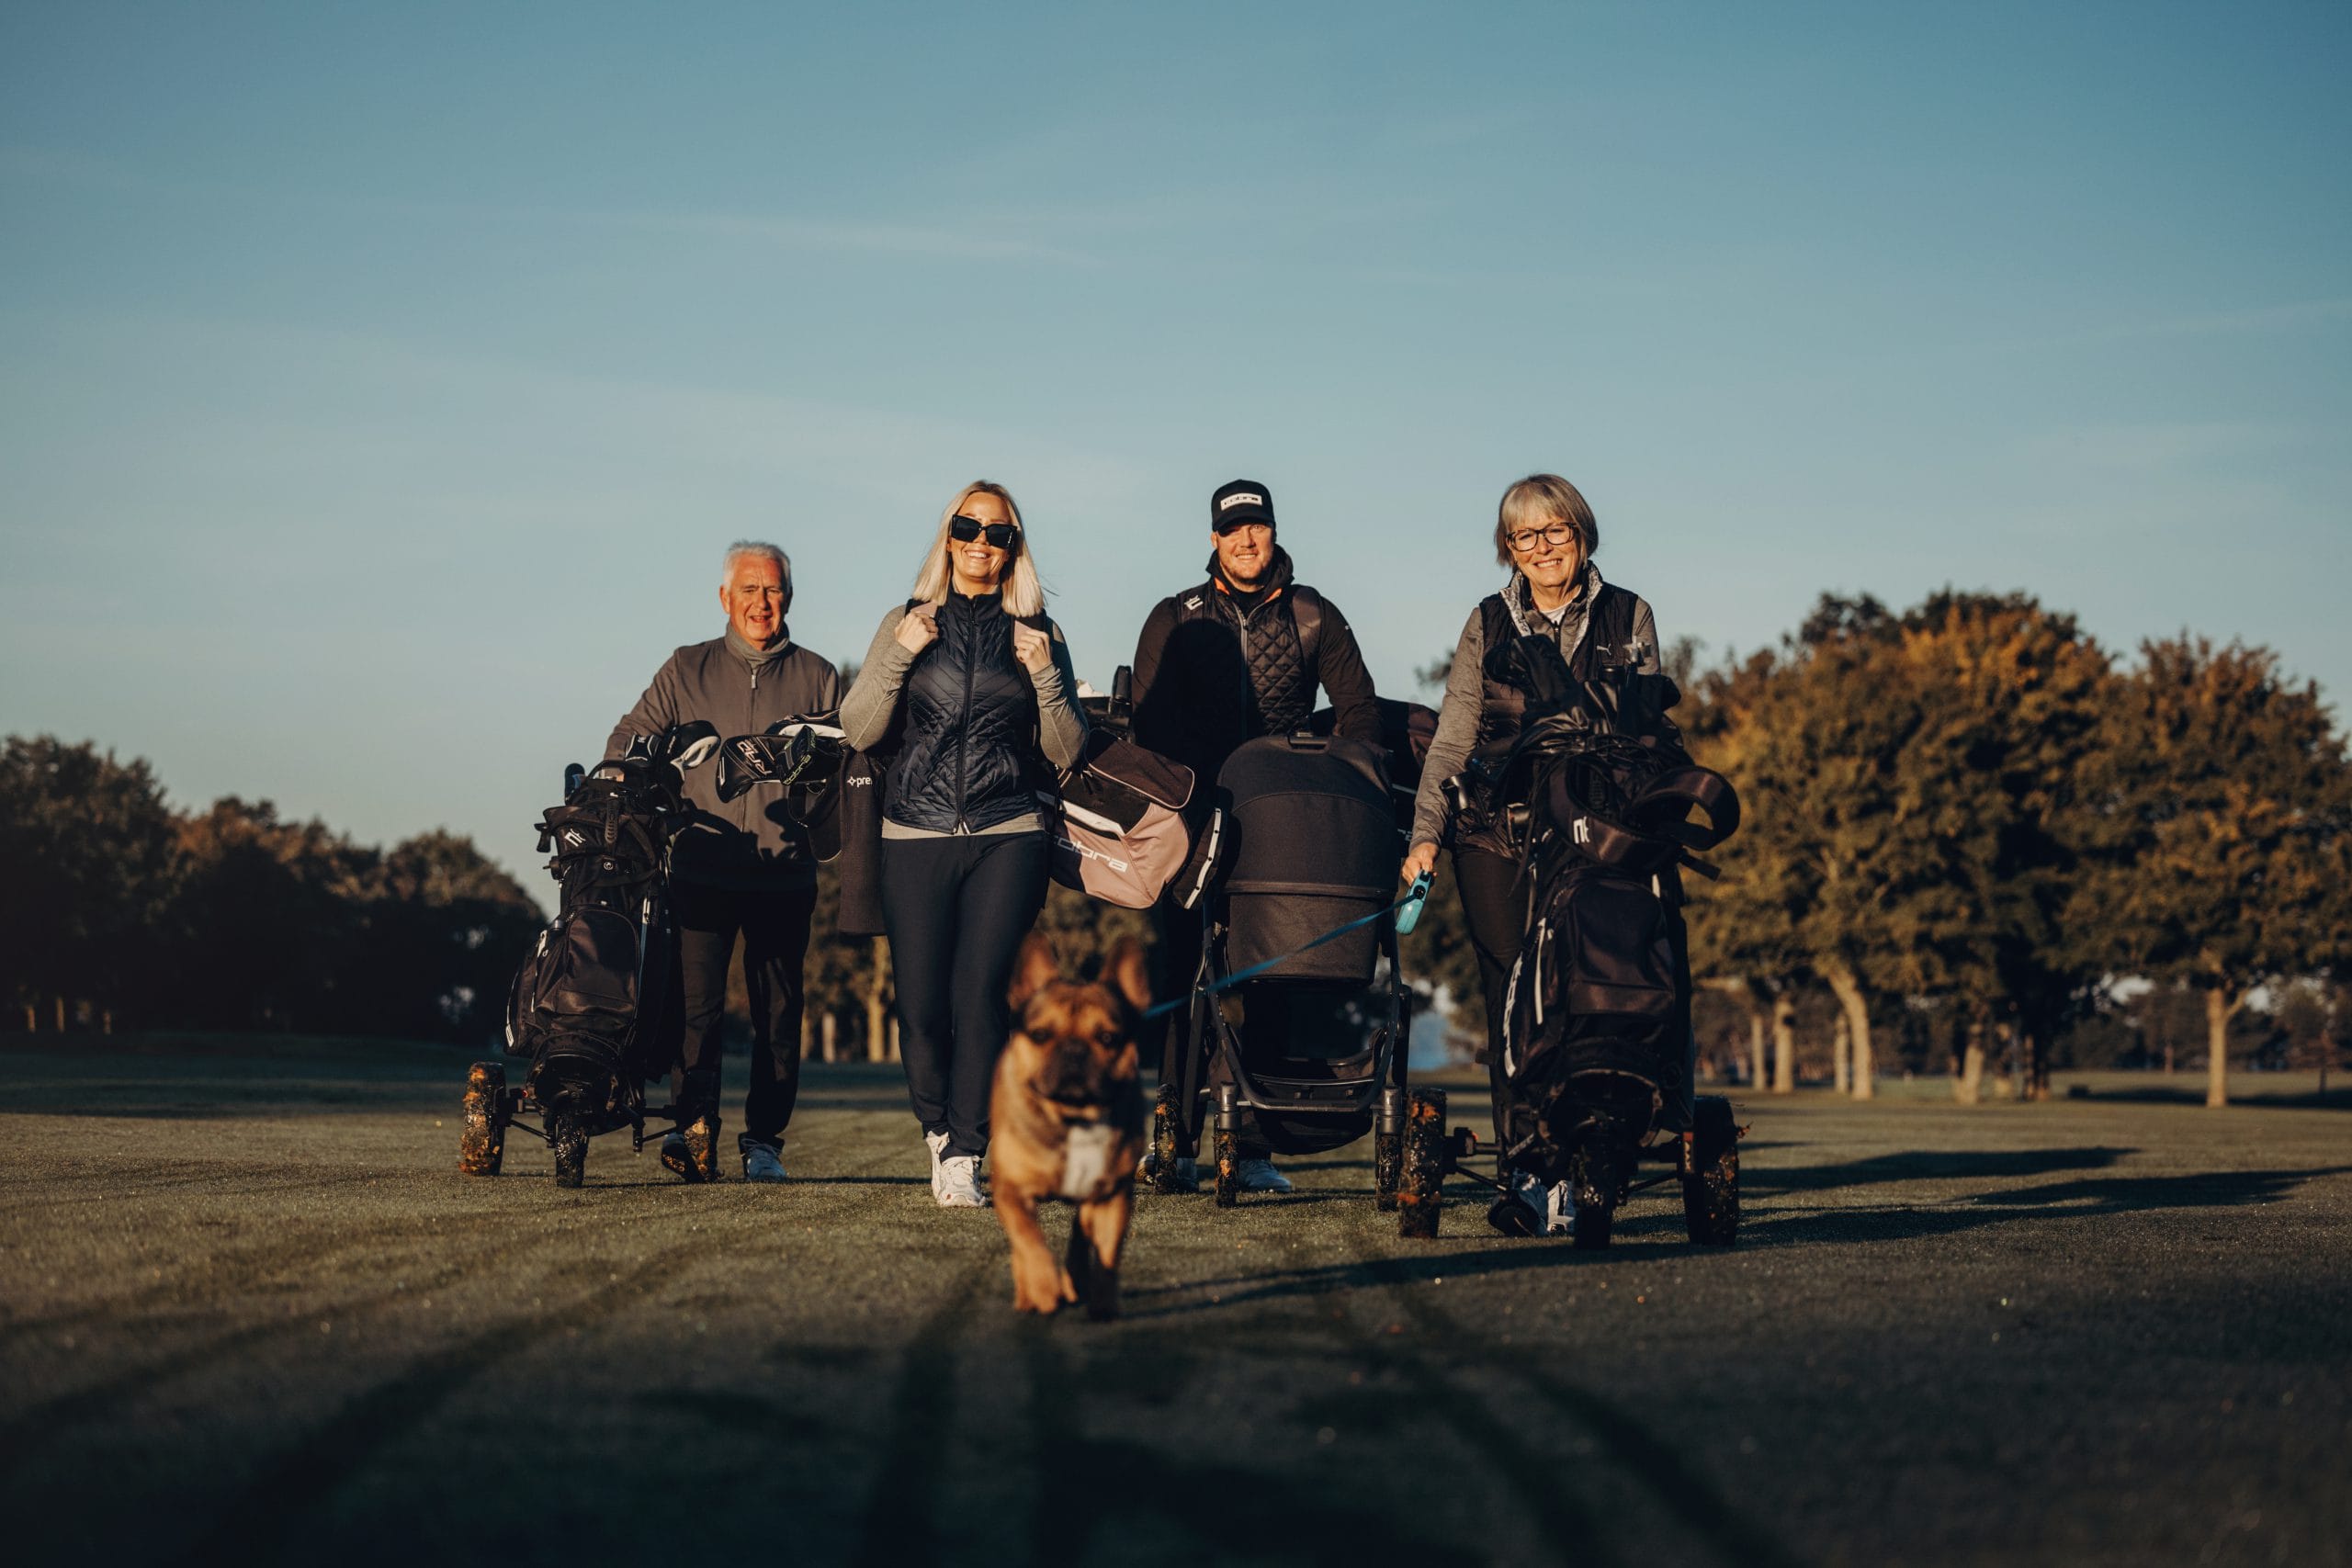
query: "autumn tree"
2225, 789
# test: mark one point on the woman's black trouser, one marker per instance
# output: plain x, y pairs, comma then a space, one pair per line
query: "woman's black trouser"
774, 928
1494, 905
957, 909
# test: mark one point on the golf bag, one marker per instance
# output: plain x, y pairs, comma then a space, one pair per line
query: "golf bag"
597, 1007
1598, 1017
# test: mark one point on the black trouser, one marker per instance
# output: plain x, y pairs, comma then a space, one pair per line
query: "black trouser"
956, 910
1494, 905
774, 928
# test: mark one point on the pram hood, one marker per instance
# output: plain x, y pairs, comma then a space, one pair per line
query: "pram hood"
1314, 845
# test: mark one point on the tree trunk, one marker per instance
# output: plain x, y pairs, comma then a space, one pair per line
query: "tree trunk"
878, 1029
1968, 1087
1784, 1043
2219, 1007
1841, 1059
828, 1036
61, 1013
1758, 1069
2037, 1063
1849, 988
33, 1018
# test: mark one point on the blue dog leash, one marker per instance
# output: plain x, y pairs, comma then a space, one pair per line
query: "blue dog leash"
1406, 909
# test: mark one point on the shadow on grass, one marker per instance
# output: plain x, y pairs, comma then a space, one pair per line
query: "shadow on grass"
1962, 1165
2089, 1197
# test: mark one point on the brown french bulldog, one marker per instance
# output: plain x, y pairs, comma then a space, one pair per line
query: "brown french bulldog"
1067, 1121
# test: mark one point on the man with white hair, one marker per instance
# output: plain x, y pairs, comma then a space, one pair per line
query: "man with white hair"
742, 866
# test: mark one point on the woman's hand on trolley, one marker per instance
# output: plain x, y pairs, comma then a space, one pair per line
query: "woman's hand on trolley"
1419, 861
1033, 648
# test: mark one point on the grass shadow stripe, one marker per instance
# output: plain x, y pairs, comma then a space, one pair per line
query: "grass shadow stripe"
267, 1509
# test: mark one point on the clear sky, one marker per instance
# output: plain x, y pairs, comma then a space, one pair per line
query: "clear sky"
378, 385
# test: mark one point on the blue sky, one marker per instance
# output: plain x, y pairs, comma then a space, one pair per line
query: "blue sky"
378, 385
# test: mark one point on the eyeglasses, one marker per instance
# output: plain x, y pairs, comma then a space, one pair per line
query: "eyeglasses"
966, 529
1555, 534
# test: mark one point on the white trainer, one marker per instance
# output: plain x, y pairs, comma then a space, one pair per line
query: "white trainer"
1259, 1176
937, 1143
959, 1183
1560, 1210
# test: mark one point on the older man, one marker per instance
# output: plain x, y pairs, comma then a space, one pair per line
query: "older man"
740, 867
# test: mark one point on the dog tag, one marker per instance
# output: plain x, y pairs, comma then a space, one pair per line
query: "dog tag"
1086, 1158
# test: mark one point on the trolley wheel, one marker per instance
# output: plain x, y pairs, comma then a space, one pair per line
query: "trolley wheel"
700, 1099
1228, 1168
1388, 1168
1421, 1174
1592, 1178
482, 1146
569, 1137
1711, 1174
1160, 1164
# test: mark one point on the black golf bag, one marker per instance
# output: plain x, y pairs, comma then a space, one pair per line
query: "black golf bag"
597, 1008
1597, 1047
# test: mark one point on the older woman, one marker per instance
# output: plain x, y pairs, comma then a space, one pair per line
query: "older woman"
983, 683
1545, 536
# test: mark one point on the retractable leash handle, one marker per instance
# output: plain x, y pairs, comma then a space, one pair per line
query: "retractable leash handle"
1408, 913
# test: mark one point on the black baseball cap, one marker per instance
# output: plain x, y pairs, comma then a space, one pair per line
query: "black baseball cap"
1240, 500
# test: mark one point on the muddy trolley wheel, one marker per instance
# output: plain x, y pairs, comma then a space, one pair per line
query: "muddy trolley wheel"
568, 1138
1226, 1143
1594, 1180
481, 1143
1711, 1173
1421, 1183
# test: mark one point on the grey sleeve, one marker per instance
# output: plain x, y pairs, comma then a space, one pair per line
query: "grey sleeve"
1061, 722
874, 695
655, 712
1645, 633
1457, 732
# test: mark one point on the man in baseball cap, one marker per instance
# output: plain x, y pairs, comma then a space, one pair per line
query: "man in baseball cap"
1229, 660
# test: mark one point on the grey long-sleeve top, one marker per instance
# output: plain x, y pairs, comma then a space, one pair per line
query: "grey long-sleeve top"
880, 686
1465, 695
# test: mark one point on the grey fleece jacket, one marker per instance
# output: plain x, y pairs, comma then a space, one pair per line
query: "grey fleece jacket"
747, 843
1465, 687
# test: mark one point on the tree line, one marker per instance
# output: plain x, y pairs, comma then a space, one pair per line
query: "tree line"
1977, 831
122, 912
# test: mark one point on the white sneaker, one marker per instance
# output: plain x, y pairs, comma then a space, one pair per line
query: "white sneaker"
761, 1161
937, 1143
1560, 1210
1259, 1176
958, 1186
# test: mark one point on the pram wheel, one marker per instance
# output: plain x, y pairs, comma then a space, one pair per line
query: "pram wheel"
1421, 1176
569, 1137
1711, 1173
1388, 1168
1228, 1167
482, 1145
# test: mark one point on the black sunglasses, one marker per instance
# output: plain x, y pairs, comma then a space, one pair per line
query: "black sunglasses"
966, 529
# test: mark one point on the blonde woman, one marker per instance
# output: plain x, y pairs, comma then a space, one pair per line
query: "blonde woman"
982, 680
1545, 536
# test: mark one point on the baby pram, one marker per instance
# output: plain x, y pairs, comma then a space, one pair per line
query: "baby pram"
1307, 847
596, 1009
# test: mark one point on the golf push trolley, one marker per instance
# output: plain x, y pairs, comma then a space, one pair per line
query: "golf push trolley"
596, 1008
